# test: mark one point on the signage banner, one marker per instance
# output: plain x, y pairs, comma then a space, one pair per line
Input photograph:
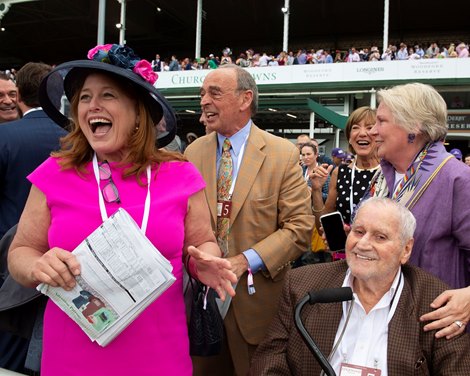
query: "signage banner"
458, 121
330, 73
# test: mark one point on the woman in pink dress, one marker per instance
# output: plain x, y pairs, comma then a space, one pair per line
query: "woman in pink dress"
109, 161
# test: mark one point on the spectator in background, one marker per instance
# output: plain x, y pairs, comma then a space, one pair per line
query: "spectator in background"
282, 58
302, 56
413, 55
462, 50
328, 57
457, 102
264, 60
338, 57
290, 58
419, 51
24, 145
388, 54
353, 56
226, 58
456, 153
8, 97
467, 159
322, 158
337, 154
374, 54
451, 51
174, 64
309, 155
212, 62
432, 51
302, 139
349, 182
157, 64
242, 61
402, 53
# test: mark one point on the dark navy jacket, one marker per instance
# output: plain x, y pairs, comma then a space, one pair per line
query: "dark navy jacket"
24, 145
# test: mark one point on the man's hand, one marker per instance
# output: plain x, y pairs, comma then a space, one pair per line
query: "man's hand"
239, 264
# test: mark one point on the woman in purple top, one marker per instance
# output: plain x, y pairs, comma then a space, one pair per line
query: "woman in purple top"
110, 161
418, 172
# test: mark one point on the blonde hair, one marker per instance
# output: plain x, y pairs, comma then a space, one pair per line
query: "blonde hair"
76, 151
417, 108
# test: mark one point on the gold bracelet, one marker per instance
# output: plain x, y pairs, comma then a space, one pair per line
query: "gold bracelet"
318, 211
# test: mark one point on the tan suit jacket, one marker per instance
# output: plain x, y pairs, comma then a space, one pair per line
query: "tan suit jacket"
271, 213
411, 351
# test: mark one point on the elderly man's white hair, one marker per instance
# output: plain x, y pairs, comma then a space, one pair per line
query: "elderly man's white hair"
406, 219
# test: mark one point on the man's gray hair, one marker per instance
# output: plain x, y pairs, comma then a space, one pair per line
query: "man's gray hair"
245, 81
406, 219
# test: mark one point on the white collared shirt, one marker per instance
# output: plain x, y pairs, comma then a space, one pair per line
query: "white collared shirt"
32, 110
365, 339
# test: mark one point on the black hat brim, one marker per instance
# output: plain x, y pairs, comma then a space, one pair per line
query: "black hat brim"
61, 81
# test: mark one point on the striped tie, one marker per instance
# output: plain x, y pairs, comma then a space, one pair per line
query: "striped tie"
224, 182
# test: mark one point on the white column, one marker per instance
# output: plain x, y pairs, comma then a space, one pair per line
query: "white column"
286, 11
122, 30
373, 98
101, 21
198, 29
386, 25
311, 132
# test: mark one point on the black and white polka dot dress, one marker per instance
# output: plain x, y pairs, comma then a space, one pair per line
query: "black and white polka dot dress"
343, 187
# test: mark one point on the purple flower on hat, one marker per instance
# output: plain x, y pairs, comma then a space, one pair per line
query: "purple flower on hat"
123, 57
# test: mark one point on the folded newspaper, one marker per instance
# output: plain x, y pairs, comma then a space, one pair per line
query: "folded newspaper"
121, 274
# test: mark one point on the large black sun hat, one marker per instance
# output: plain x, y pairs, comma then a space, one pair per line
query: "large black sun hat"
117, 60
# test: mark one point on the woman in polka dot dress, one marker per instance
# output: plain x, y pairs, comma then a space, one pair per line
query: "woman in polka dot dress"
349, 182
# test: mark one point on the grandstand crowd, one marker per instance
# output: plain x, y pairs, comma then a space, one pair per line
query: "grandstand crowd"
250, 58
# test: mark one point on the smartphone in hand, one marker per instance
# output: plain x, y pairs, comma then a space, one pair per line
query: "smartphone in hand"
333, 227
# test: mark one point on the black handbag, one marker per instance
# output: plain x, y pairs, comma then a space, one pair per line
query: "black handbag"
206, 327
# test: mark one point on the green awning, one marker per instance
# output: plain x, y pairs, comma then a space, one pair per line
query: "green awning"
330, 116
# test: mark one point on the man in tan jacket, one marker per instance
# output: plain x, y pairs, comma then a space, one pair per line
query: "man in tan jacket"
270, 219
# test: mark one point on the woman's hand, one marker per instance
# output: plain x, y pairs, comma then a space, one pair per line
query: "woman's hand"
451, 315
57, 267
320, 175
213, 271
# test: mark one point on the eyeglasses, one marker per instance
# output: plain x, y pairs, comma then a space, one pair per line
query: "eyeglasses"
110, 192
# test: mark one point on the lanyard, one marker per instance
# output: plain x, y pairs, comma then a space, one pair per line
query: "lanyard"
351, 193
104, 215
239, 162
392, 307
306, 175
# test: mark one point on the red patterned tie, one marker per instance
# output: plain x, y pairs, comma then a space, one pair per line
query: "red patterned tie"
224, 182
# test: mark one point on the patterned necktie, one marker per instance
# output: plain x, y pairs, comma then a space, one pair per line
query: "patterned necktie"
224, 182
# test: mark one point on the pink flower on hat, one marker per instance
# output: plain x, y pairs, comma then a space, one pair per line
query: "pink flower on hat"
144, 69
95, 50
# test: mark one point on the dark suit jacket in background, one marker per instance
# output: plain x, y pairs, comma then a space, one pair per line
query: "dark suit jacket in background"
24, 145
270, 213
411, 351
